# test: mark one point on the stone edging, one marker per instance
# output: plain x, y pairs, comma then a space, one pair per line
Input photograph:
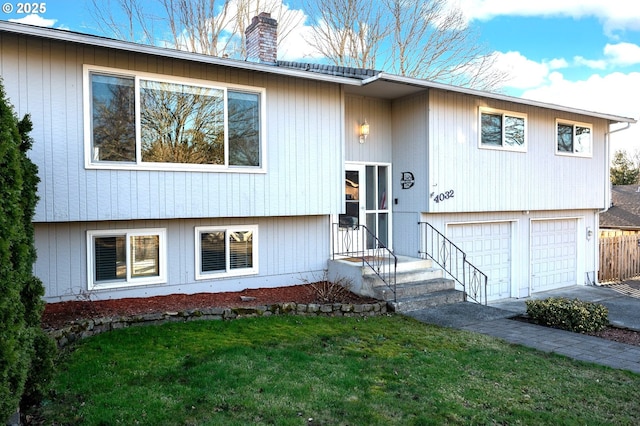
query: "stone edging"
86, 328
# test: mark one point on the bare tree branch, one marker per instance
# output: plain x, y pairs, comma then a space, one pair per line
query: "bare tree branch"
423, 39
213, 27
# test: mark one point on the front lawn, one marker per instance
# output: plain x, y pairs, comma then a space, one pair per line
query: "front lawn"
328, 371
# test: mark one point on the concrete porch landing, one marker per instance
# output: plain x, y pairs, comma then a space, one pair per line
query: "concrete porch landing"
419, 284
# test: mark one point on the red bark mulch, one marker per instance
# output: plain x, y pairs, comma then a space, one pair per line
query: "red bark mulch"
57, 315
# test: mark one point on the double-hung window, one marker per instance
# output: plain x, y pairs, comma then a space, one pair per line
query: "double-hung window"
503, 130
120, 258
145, 121
223, 251
574, 138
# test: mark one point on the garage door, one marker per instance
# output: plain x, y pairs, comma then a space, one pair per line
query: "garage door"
488, 247
554, 254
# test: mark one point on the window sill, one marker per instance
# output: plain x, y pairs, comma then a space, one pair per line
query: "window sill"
175, 168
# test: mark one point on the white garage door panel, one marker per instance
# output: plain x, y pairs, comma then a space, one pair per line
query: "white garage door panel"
554, 254
488, 247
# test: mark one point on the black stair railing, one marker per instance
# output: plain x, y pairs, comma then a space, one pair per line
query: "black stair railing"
454, 262
358, 242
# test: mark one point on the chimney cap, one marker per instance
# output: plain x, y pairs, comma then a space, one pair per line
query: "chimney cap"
263, 17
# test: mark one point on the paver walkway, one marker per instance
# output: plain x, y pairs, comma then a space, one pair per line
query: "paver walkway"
493, 320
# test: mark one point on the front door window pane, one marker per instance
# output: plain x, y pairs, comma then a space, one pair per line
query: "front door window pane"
145, 256
113, 118
383, 228
371, 224
352, 199
371, 187
181, 123
382, 187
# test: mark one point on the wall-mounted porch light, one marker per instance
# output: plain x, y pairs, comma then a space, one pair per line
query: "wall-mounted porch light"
364, 131
589, 233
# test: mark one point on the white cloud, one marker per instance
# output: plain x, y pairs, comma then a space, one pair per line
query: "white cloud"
558, 63
623, 53
615, 14
615, 93
525, 73
37, 20
597, 64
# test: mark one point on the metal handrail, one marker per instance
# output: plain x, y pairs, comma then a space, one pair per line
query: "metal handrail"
359, 242
454, 262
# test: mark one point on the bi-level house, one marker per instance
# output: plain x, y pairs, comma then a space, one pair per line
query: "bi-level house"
166, 172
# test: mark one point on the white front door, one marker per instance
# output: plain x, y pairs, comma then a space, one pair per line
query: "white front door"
366, 202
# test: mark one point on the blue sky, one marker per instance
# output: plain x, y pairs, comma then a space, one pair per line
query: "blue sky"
581, 53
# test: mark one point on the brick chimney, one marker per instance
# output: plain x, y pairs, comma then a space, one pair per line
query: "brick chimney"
262, 39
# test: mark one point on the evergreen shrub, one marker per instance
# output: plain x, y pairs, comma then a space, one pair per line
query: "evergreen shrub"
21, 304
568, 314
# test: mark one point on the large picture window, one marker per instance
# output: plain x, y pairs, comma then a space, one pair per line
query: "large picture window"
126, 257
143, 121
503, 130
574, 138
226, 251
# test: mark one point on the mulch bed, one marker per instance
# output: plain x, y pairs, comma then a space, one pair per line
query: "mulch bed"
57, 315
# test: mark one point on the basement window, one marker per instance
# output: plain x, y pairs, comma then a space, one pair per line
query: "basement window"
225, 251
121, 258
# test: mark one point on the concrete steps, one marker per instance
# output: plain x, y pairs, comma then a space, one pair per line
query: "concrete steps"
418, 284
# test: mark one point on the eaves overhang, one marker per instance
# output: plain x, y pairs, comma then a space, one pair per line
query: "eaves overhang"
104, 42
383, 85
394, 86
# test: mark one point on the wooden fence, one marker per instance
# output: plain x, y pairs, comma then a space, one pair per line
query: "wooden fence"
619, 255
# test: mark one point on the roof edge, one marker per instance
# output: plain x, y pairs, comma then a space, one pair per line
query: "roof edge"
105, 42
480, 93
347, 76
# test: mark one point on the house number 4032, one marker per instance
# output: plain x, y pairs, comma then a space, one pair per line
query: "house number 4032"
443, 196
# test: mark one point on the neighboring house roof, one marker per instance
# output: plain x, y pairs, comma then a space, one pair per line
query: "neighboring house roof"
624, 212
359, 81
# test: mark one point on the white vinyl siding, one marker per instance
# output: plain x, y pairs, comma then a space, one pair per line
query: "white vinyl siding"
286, 256
45, 79
378, 147
498, 180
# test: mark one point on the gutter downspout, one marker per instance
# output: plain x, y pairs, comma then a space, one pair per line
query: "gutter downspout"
607, 196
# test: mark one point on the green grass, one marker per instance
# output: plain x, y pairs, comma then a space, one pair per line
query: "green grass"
337, 371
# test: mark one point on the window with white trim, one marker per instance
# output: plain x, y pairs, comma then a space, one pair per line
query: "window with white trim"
573, 138
140, 120
121, 258
503, 130
223, 251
